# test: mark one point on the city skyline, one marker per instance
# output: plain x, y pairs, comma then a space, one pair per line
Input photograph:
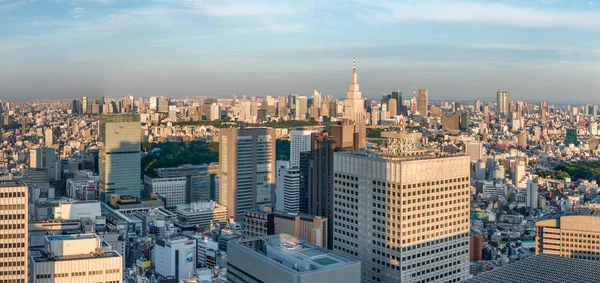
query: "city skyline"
537, 50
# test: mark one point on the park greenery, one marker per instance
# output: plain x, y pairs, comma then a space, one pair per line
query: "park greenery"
587, 170
553, 174
173, 154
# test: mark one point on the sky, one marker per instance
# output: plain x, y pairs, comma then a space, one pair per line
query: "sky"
465, 49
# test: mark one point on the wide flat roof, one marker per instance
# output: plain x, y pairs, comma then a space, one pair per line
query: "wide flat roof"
287, 250
543, 268
54, 238
11, 183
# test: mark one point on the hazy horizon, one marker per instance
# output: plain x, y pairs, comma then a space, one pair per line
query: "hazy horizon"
538, 50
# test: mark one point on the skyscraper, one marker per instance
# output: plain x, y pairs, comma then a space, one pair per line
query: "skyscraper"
503, 102
403, 212
422, 102
247, 169
14, 257
300, 142
48, 137
287, 188
320, 179
354, 109
119, 156
399, 107
392, 107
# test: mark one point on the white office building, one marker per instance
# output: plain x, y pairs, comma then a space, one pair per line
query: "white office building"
403, 212
284, 258
300, 142
175, 257
76, 258
287, 188
173, 189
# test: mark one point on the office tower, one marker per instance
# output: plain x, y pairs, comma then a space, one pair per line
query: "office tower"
154, 103
84, 105
43, 158
247, 169
522, 140
76, 258
450, 122
317, 99
215, 112
199, 180
392, 107
333, 113
503, 102
300, 142
305, 161
465, 121
571, 137
163, 105
48, 137
475, 150
320, 179
14, 257
287, 187
284, 258
354, 109
119, 156
569, 234
532, 194
301, 107
282, 110
75, 107
175, 256
593, 110
519, 172
344, 135
422, 102
397, 95
100, 102
475, 248
403, 212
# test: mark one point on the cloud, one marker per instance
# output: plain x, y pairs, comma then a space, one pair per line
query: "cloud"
242, 8
591, 3
77, 12
387, 11
15, 4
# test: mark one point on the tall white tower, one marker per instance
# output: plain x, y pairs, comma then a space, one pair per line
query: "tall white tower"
354, 109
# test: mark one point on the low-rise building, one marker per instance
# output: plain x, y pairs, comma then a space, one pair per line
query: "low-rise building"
284, 258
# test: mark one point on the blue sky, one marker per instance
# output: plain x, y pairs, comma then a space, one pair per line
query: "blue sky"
538, 50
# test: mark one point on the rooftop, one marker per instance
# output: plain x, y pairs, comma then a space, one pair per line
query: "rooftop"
584, 211
53, 238
11, 183
295, 254
541, 269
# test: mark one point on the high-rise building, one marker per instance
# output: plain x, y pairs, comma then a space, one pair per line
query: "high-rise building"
354, 109
465, 121
247, 169
475, 150
300, 142
301, 107
84, 105
320, 179
571, 137
403, 212
570, 234
475, 248
399, 107
503, 102
393, 107
48, 137
119, 156
287, 187
522, 140
422, 102
532, 195
317, 99
76, 258
284, 258
14, 257
43, 158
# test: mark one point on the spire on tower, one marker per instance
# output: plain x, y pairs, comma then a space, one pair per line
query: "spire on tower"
354, 64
